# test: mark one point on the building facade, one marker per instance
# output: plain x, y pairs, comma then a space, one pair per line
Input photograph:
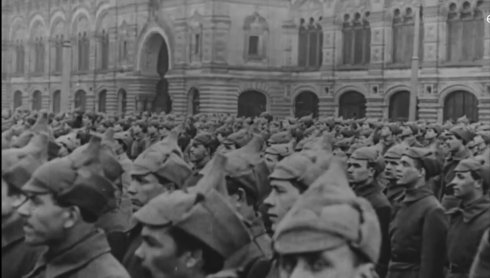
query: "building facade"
349, 58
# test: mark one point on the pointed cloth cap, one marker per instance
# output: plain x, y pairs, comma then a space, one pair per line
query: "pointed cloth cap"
21, 172
431, 164
327, 216
282, 137
304, 167
37, 146
207, 217
395, 152
371, 155
165, 160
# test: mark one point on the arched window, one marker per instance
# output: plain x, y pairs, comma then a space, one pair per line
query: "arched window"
80, 100
104, 46
251, 104
57, 101
352, 105
17, 99
461, 103
193, 101
310, 44
403, 36
102, 101
83, 51
356, 37
36, 101
399, 106
121, 102
306, 103
465, 33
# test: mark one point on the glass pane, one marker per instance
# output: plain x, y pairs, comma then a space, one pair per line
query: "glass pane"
302, 44
347, 46
253, 45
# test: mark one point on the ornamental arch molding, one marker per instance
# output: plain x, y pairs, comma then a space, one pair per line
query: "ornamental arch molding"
32, 26
57, 20
303, 88
146, 36
78, 16
344, 89
393, 90
458, 87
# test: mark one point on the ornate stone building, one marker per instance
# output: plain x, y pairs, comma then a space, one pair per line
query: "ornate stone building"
291, 57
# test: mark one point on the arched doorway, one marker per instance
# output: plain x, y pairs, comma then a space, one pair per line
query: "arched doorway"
154, 62
17, 99
102, 101
36, 101
352, 105
251, 104
306, 103
193, 101
461, 103
57, 101
399, 106
80, 100
121, 102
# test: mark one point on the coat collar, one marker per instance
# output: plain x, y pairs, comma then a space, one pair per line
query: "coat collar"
415, 194
366, 189
473, 209
12, 231
80, 254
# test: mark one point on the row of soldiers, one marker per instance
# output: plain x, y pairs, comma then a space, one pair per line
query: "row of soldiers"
92, 195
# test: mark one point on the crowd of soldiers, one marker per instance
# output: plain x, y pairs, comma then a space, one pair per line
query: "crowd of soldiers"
176, 196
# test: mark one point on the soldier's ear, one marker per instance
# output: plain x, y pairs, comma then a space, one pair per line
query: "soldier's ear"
193, 258
365, 271
72, 215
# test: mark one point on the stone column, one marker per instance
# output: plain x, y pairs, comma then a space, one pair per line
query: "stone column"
377, 42
289, 44
329, 40
433, 25
66, 70
486, 51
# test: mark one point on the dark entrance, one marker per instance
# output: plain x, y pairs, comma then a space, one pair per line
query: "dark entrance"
17, 99
121, 102
399, 106
80, 100
352, 105
102, 101
56, 101
193, 101
37, 101
461, 103
306, 103
251, 104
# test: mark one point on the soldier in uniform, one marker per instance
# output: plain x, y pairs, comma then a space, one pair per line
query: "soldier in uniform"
363, 167
468, 222
64, 200
189, 234
456, 142
419, 227
329, 232
201, 150
394, 191
481, 264
276, 153
158, 170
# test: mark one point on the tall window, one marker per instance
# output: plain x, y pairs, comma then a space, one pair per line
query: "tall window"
102, 101
310, 44
20, 56
403, 36
104, 44
83, 51
39, 56
256, 32
465, 33
356, 40
58, 53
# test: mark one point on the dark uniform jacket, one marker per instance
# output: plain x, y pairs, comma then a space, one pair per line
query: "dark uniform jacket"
130, 261
481, 264
259, 248
372, 192
18, 258
466, 228
418, 236
89, 258
395, 194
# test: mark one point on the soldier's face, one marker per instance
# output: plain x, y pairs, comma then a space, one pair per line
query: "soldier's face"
385, 131
338, 262
7, 202
453, 143
144, 188
282, 197
463, 185
271, 161
430, 134
45, 221
197, 152
358, 171
390, 168
158, 253
407, 172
